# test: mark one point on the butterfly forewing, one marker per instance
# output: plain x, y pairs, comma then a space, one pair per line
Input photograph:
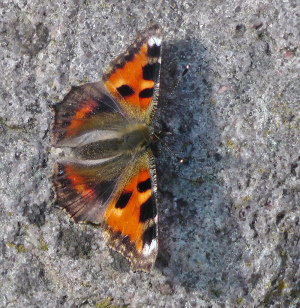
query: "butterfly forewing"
133, 77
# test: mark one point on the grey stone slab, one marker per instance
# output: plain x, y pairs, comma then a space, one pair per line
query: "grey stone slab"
229, 215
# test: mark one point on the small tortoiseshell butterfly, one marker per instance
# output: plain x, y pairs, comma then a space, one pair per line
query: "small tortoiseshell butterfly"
111, 178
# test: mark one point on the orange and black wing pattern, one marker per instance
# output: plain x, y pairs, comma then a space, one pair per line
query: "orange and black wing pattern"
133, 77
130, 221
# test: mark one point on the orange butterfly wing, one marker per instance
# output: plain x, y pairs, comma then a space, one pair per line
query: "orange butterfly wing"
130, 221
133, 78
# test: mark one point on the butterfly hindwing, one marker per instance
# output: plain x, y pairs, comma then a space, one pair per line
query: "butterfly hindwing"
111, 177
130, 221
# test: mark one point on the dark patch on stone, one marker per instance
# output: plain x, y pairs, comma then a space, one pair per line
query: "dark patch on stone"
293, 168
35, 213
75, 244
3, 248
217, 156
279, 217
240, 30
30, 278
30, 39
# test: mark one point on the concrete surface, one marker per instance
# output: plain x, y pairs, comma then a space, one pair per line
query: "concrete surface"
229, 216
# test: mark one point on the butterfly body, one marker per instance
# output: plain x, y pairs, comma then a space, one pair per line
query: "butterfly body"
110, 178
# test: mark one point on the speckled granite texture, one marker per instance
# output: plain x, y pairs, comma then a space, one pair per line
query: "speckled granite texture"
229, 217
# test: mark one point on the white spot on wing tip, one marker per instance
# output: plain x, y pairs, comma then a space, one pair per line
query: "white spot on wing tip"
154, 41
148, 249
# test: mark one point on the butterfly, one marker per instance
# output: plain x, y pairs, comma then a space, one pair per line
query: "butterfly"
110, 176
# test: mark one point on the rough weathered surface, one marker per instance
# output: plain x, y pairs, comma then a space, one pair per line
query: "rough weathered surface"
229, 216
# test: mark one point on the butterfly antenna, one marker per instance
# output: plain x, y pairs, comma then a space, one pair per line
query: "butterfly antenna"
185, 71
180, 160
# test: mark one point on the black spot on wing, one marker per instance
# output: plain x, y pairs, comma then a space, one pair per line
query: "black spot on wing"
123, 200
148, 210
146, 93
150, 71
149, 235
125, 90
154, 51
144, 186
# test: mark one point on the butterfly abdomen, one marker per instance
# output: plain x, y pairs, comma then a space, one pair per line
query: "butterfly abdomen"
131, 138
